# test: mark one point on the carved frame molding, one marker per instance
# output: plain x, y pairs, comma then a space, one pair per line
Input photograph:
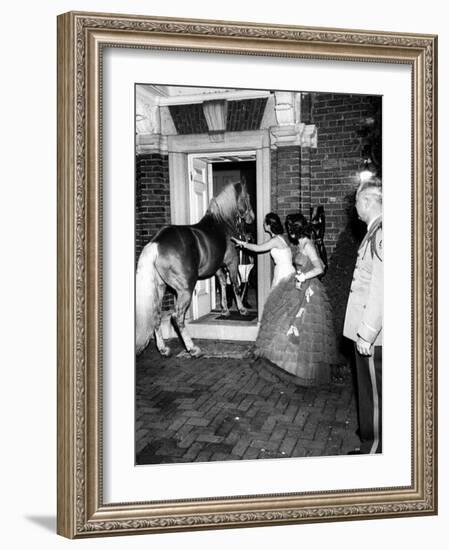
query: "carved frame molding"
81, 37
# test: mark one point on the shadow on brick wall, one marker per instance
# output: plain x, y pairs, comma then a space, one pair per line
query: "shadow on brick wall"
341, 267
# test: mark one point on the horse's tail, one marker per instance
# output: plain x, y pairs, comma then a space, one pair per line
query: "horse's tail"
149, 293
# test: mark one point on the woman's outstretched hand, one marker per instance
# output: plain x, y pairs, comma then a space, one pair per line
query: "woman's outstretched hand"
237, 242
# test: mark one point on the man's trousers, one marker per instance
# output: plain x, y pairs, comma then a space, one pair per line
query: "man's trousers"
369, 390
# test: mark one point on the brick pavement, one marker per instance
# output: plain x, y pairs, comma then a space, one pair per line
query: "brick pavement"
224, 406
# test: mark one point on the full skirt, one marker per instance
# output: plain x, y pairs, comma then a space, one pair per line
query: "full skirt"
297, 331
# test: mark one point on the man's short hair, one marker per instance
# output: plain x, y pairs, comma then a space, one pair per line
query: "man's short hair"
371, 188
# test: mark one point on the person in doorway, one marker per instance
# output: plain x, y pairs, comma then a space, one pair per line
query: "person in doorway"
245, 268
363, 320
246, 265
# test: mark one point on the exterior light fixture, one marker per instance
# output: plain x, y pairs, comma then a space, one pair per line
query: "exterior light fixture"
366, 172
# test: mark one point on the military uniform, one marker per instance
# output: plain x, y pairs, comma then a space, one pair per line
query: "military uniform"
364, 315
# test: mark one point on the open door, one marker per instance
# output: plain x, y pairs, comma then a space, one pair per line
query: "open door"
200, 193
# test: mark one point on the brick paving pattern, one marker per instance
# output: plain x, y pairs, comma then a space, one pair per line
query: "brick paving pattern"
225, 406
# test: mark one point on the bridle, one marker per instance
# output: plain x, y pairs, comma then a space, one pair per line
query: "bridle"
242, 215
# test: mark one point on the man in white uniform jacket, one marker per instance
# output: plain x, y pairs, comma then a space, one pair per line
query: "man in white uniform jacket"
364, 313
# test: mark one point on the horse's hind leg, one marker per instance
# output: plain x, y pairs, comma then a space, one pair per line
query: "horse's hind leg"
160, 343
164, 350
178, 318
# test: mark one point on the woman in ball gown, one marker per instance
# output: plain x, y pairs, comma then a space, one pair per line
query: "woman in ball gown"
278, 247
297, 332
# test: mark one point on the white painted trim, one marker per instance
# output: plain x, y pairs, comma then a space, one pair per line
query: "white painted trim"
213, 331
201, 97
201, 143
263, 192
179, 188
144, 93
218, 155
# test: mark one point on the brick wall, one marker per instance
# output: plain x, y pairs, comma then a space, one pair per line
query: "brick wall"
286, 183
245, 114
188, 119
306, 180
152, 202
152, 197
336, 161
334, 167
273, 178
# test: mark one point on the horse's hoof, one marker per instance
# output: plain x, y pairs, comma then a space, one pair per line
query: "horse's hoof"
195, 351
243, 311
226, 313
165, 352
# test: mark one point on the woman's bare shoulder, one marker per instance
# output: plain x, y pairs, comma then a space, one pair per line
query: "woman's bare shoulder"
309, 246
281, 239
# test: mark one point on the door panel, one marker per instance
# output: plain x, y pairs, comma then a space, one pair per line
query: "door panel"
200, 194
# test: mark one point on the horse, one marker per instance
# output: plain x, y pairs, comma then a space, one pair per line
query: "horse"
179, 255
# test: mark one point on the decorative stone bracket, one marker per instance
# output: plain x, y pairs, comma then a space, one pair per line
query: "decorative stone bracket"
301, 135
290, 130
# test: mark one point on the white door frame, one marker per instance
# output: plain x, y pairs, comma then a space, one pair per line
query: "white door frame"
258, 141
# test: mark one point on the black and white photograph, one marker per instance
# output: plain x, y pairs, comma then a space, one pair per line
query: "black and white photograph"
259, 274
207, 344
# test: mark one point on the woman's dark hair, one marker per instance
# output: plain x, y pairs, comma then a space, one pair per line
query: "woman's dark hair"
274, 222
297, 227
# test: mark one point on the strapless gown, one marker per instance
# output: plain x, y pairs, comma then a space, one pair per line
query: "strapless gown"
283, 264
297, 331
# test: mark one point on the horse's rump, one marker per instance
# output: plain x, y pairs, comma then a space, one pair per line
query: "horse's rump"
149, 292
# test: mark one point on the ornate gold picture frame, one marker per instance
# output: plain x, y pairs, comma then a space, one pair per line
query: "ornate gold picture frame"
82, 40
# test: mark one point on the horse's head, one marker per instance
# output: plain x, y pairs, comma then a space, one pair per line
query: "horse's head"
232, 206
244, 209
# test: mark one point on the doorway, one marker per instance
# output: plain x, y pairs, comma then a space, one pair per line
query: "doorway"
245, 171
208, 175
192, 165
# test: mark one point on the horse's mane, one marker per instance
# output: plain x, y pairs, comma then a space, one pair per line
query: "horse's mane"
223, 207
